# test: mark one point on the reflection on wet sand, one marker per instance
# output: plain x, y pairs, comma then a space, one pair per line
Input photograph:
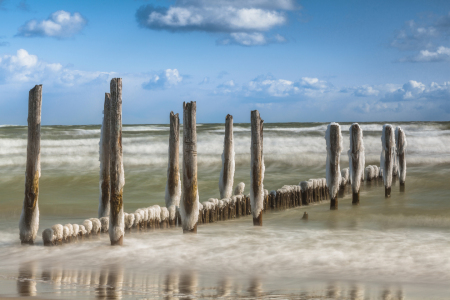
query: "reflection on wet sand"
26, 281
113, 282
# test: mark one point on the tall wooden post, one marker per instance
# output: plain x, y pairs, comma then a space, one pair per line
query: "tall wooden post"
257, 168
400, 139
173, 185
29, 219
356, 160
116, 217
105, 156
227, 173
190, 204
334, 146
387, 157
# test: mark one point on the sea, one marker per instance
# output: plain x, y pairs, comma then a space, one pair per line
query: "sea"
384, 248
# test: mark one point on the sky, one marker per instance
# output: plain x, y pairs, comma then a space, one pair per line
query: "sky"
294, 61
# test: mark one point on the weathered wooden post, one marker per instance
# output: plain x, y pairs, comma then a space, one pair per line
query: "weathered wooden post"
257, 168
400, 139
105, 154
189, 204
356, 159
29, 218
227, 172
173, 186
116, 216
334, 146
387, 157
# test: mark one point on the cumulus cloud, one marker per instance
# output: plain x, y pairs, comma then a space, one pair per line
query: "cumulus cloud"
244, 21
24, 67
166, 79
441, 54
268, 86
362, 91
417, 91
429, 39
60, 24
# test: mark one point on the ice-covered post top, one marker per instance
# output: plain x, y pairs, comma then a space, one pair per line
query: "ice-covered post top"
387, 157
29, 218
189, 204
334, 147
173, 186
257, 168
400, 139
116, 216
105, 156
227, 172
356, 159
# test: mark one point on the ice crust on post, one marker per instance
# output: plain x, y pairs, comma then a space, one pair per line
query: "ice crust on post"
190, 200
257, 168
116, 216
226, 180
104, 153
173, 185
333, 139
29, 218
400, 140
387, 156
356, 158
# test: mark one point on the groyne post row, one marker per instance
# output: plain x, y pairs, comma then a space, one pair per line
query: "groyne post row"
189, 213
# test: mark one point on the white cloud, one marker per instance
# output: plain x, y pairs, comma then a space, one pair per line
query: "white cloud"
362, 91
424, 39
417, 91
24, 68
267, 86
441, 54
163, 80
244, 21
60, 24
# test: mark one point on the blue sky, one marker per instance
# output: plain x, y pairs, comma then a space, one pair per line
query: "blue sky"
294, 61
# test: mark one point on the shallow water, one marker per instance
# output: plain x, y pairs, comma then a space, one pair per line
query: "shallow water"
397, 248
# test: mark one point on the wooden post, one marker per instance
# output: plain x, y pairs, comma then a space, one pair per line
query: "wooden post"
387, 157
227, 172
105, 154
29, 219
400, 140
257, 168
116, 217
356, 160
189, 204
334, 147
173, 186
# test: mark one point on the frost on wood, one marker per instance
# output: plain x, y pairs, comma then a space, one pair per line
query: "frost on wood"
400, 139
189, 204
58, 231
173, 185
104, 153
226, 180
257, 167
48, 237
76, 230
356, 157
116, 217
105, 224
88, 226
239, 189
333, 139
29, 218
387, 154
129, 220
